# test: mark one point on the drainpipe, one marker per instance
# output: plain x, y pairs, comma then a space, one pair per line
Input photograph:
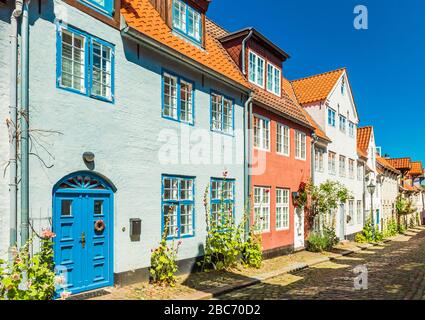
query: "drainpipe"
247, 141
244, 50
24, 127
313, 164
13, 111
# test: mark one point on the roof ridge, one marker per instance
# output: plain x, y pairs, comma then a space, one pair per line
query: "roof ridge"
319, 74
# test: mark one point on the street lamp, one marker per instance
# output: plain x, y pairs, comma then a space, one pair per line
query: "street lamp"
371, 188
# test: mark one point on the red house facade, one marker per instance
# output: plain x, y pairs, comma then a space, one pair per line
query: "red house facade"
281, 137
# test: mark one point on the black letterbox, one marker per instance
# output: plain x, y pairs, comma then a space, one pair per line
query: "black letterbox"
135, 229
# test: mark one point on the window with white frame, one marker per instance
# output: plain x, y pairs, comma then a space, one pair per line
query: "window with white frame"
273, 79
222, 201
332, 163
177, 98
351, 168
221, 114
283, 140
352, 129
343, 86
359, 215
262, 209
360, 170
342, 123
256, 69
319, 155
342, 166
187, 21
86, 64
261, 133
282, 209
351, 212
331, 117
300, 145
178, 206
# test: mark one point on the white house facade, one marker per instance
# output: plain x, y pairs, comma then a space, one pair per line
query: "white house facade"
329, 101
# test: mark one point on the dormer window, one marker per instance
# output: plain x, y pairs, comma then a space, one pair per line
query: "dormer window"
104, 6
187, 21
273, 79
256, 69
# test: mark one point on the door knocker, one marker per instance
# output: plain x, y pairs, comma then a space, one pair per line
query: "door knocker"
99, 226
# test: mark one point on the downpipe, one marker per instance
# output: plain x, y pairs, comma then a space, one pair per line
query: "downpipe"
247, 138
13, 114
25, 126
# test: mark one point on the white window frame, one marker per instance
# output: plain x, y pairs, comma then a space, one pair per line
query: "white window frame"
276, 84
263, 144
300, 145
359, 215
342, 120
253, 69
261, 205
360, 169
351, 212
351, 129
284, 139
283, 206
319, 159
351, 164
342, 166
332, 163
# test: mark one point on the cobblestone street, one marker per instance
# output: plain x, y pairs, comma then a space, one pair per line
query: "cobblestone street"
396, 271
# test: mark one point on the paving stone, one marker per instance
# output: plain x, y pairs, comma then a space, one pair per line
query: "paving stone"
396, 271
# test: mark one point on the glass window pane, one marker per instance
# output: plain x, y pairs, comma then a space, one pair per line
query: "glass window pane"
98, 207
66, 208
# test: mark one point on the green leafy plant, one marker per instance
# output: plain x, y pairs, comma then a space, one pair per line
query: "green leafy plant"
164, 266
391, 229
368, 234
29, 277
322, 242
325, 198
252, 255
225, 247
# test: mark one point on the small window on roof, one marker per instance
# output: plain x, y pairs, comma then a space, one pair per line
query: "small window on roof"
187, 21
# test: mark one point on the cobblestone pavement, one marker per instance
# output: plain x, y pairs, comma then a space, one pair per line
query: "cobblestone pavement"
396, 271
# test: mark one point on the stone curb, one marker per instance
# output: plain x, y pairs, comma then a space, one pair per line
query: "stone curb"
212, 293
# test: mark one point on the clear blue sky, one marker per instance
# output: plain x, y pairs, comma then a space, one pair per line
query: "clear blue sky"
386, 63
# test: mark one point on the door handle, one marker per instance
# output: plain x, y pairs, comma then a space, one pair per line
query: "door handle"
83, 239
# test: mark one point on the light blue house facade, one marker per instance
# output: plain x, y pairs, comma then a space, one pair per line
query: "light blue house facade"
122, 136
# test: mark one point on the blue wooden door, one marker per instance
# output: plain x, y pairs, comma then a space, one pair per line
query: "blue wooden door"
83, 254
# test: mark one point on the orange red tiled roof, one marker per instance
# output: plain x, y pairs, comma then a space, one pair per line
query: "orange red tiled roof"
417, 169
316, 88
401, 163
141, 16
386, 164
287, 87
363, 138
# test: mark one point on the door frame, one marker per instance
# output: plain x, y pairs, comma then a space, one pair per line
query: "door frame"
109, 191
297, 238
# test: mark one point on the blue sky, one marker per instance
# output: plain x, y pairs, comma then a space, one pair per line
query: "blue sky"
386, 63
